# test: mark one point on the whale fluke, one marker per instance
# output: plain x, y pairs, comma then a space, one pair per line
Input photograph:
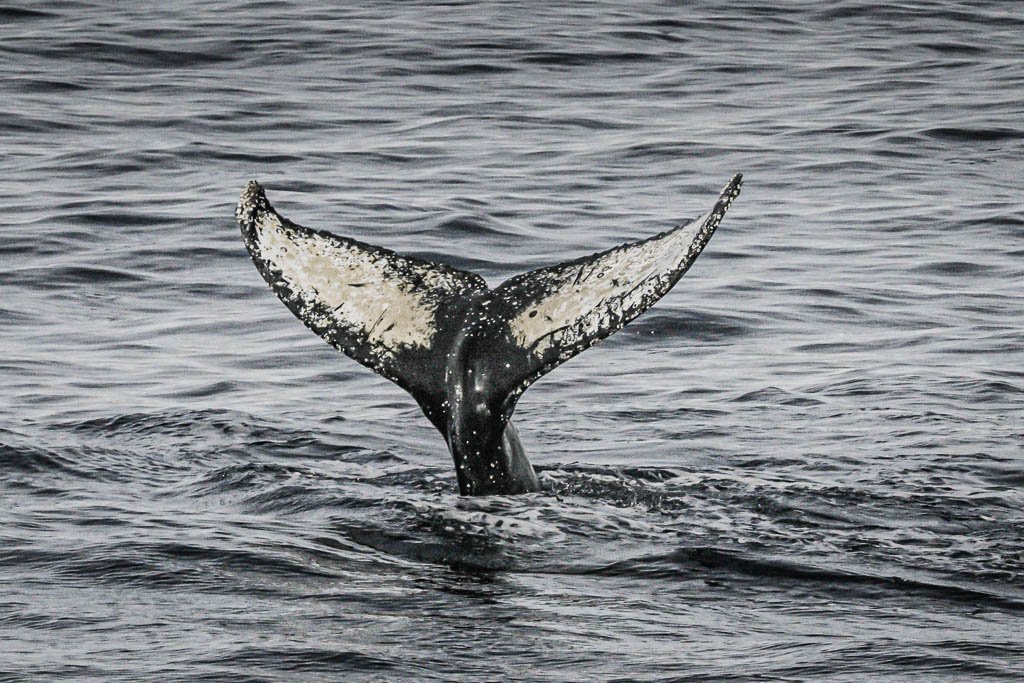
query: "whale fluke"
466, 353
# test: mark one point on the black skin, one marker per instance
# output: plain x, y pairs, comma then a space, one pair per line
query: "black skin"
488, 456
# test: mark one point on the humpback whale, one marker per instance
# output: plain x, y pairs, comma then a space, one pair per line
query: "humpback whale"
465, 352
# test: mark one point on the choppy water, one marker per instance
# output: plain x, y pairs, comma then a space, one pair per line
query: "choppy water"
805, 463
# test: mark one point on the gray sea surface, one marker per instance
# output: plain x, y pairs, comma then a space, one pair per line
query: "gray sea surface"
805, 463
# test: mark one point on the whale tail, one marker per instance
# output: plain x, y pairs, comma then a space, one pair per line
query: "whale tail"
437, 331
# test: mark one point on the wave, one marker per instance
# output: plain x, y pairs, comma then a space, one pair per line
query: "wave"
956, 134
687, 563
137, 55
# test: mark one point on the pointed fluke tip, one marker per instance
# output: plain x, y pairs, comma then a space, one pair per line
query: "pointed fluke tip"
712, 220
252, 201
730, 192
735, 183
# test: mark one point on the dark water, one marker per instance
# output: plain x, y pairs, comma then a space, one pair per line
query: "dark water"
805, 463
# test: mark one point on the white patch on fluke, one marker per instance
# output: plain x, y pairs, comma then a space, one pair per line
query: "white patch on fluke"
586, 300
346, 286
607, 288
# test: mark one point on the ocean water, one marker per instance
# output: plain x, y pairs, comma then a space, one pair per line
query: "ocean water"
805, 463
